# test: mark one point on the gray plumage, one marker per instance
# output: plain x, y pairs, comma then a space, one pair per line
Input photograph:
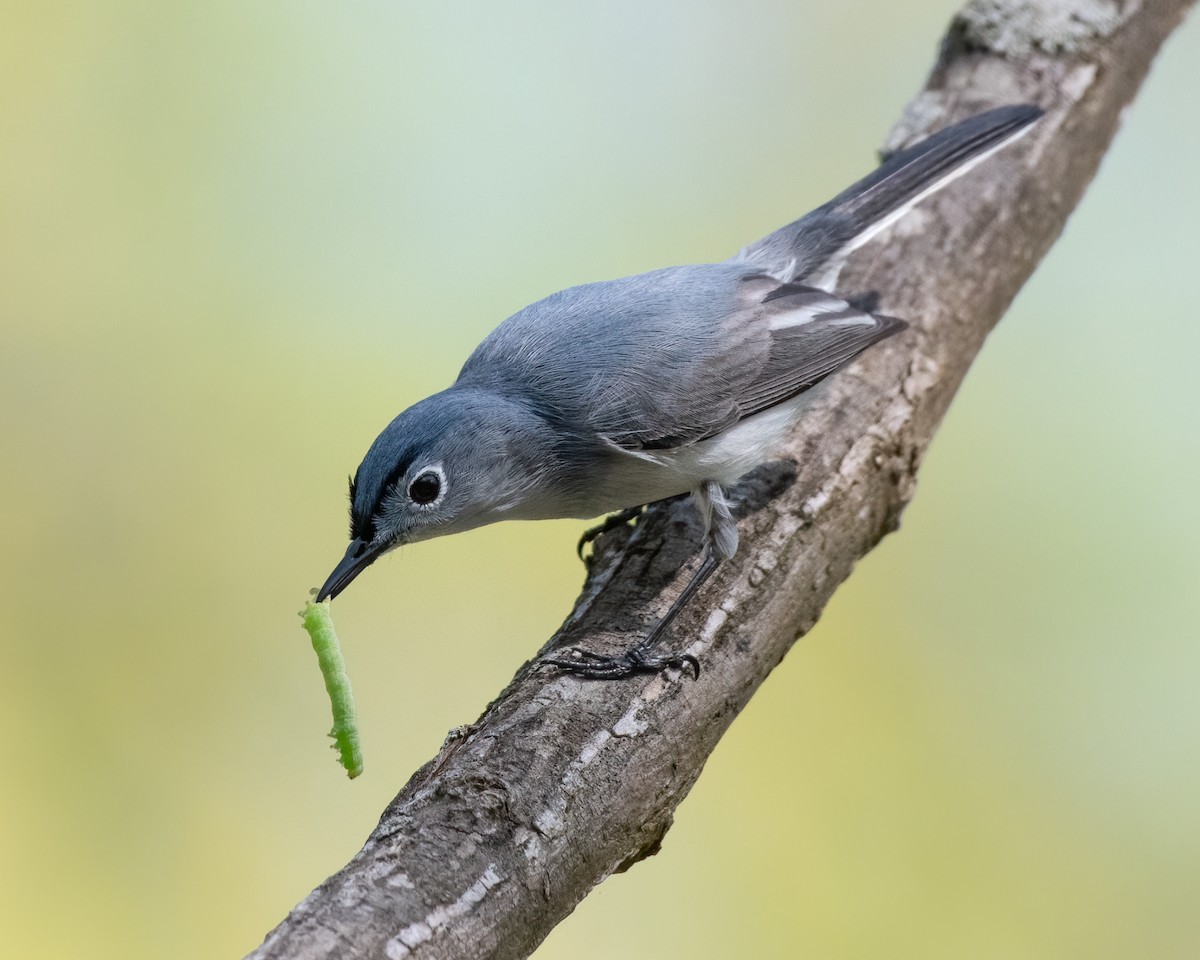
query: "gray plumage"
619, 393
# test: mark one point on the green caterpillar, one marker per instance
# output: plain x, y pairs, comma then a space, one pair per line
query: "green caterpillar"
319, 624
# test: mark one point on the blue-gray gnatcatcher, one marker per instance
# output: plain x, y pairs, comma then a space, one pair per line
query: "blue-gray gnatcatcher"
616, 394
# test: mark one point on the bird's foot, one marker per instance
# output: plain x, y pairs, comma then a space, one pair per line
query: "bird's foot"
611, 522
597, 666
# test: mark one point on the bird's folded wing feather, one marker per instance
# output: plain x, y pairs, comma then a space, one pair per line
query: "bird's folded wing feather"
795, 335
671, 357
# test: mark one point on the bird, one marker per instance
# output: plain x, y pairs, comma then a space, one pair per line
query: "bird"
611, 395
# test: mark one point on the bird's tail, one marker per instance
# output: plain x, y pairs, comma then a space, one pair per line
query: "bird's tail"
814, 247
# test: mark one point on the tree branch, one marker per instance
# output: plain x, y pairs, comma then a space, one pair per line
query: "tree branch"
562, 782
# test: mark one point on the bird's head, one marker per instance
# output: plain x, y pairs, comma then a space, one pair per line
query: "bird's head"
457, 460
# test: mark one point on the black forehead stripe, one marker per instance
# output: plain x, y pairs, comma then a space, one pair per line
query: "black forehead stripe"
399, 470
362, 526
394, 475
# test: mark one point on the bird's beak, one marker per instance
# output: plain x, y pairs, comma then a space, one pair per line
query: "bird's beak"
359, 556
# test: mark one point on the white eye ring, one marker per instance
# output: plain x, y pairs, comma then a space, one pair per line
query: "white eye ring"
435, 472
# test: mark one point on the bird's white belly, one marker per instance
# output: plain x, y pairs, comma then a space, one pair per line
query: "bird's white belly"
637, 478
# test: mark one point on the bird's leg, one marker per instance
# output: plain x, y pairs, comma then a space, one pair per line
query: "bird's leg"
722, 543
638, 658
611, 522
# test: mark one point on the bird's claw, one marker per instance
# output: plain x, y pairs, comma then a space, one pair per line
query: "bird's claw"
611, 522
595, 666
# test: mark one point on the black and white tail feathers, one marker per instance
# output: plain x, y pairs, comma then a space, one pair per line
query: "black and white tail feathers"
814, 247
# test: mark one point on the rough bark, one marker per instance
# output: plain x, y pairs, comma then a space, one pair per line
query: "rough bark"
562, 782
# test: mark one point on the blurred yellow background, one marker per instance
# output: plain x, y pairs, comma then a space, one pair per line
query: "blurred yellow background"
237, 238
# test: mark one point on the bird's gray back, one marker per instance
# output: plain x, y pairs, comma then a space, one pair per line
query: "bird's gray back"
657, 358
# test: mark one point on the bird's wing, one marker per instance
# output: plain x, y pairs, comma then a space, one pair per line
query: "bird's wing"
671, 357
812, 333
781, 340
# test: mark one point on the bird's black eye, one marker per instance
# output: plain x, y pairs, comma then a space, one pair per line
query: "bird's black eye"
426, 488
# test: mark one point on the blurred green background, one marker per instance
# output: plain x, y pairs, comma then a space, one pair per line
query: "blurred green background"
236, 238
